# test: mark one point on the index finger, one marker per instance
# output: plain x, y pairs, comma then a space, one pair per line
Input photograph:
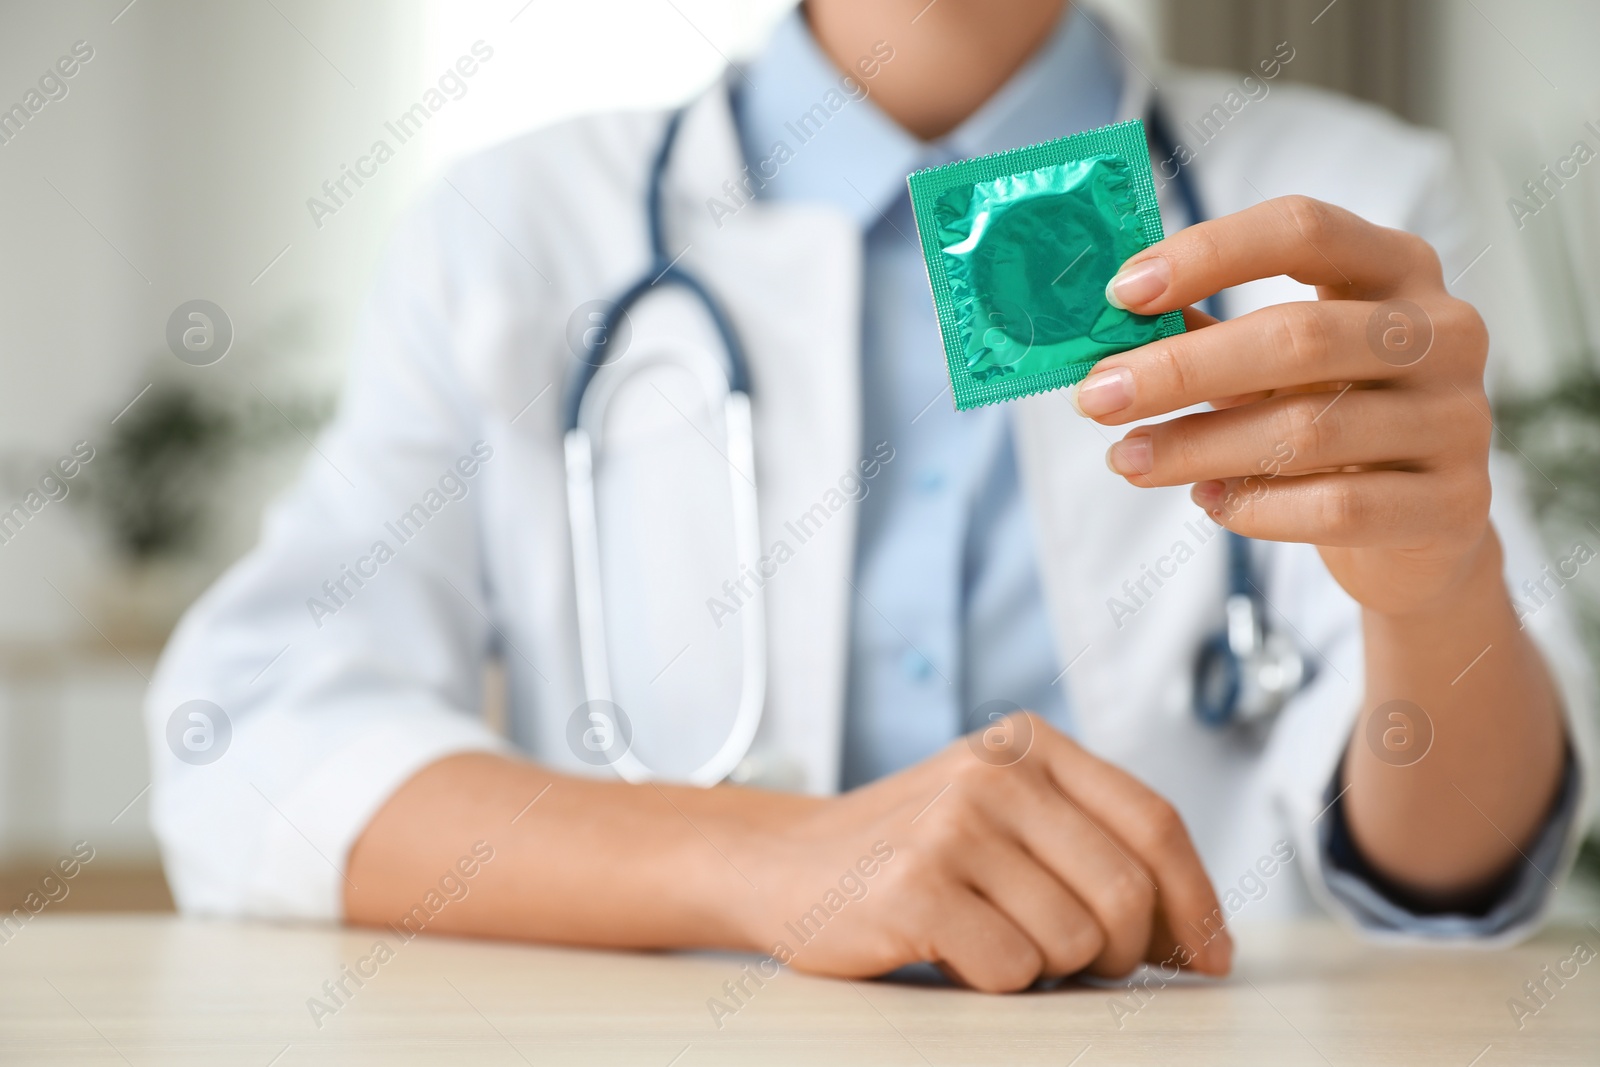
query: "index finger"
1153, 831
1310, 241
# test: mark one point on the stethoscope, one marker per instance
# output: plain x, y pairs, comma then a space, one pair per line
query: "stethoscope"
1247, 671
1243, 673
582, 419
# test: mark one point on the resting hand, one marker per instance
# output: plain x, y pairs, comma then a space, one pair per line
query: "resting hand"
1003, 862
1356, 422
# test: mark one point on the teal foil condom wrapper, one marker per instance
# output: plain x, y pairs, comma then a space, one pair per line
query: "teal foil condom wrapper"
1019, 247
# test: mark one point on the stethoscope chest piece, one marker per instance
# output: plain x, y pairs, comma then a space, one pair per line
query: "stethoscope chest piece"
1246, 673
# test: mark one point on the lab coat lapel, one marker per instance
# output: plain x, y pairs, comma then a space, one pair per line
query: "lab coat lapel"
790, 279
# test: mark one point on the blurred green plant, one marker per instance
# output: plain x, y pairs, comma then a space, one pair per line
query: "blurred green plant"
1557, 434
155, 482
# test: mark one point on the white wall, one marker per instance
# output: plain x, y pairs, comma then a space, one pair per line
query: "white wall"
177, 166
554, 61
183, 155
1514, 82
573, 58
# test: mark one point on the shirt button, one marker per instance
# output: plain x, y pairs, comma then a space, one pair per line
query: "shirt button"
930, 481
916, 666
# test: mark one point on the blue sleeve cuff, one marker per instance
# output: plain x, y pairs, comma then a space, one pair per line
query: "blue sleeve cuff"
1516, 899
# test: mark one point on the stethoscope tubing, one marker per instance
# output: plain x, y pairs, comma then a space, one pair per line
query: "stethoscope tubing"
581, 425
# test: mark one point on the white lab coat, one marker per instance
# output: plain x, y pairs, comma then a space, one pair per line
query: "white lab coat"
468, 325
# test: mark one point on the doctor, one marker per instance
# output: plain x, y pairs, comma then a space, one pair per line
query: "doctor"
922, 569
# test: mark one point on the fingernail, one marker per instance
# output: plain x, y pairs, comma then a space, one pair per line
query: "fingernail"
1131, 455
1139, 284
1104, 392
1207, 494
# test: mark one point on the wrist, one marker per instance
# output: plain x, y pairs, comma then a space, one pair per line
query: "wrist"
1474, 583
724, 862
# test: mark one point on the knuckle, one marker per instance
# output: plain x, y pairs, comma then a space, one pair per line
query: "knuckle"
1472, 501
1205, 254
1478, 341
1303, 421
1049, 747
963, 766
968, 780
1470, 334
910, 889
1162, 828
1006, 789
1034, 721
1342, 510
1478, 497
1129, 896
1179, 453
1470, 436
1425, 258
947, 826
1171, 365
1301, 332
1313, 218
1029, 728
1483, 442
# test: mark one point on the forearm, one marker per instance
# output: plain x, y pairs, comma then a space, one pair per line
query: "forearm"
589, 862
1453, 820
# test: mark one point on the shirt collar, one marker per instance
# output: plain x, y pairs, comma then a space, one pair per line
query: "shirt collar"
810, 131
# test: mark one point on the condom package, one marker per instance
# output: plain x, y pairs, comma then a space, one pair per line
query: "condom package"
1019, 247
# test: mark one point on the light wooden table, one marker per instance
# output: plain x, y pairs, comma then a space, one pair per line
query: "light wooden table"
160, 990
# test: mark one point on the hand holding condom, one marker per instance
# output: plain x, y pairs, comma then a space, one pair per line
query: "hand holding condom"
1356, 422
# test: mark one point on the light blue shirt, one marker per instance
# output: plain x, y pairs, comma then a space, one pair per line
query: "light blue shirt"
948, 619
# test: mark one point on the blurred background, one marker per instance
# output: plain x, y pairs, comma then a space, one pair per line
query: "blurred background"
175, 165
